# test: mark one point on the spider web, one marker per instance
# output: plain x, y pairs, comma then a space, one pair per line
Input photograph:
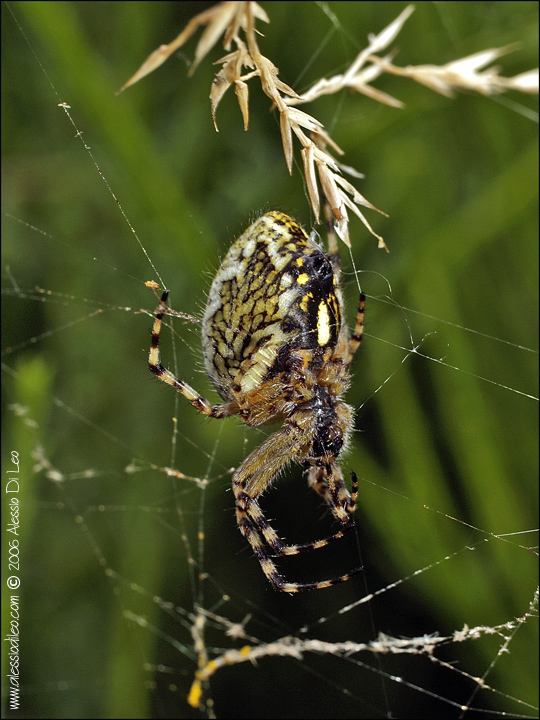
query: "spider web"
133, 573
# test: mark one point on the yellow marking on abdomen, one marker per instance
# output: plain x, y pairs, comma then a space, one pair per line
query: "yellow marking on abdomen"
323, 324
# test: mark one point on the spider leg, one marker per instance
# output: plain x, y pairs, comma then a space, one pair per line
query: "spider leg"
256, 474
356, 337
154, 363
331, 487
269, 568
259, 522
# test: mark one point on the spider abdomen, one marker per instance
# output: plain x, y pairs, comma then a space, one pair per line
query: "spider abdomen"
275, 292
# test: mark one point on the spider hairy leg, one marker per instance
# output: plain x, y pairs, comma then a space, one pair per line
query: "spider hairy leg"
154, 364
356, 338
341, 501
255, 475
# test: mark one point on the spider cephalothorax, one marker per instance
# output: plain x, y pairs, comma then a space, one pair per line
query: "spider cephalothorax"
277, 350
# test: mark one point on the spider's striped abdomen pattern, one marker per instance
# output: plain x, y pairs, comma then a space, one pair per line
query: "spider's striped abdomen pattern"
277, 349
275, 290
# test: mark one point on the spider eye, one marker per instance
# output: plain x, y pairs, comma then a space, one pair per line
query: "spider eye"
327, 442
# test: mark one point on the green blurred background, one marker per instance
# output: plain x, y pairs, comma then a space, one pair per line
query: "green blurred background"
458, 179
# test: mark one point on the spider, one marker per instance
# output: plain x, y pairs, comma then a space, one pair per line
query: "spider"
277, 350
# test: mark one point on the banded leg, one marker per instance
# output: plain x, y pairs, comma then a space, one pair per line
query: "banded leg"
248, 508
331, 487
269, 568
356, 337
154, 364
250, 480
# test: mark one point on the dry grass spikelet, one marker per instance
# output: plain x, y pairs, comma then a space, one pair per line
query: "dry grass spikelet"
234, 22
